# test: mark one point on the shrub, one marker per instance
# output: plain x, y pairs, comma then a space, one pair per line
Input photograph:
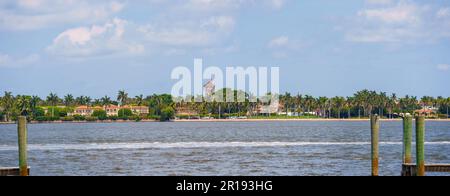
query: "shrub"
55, 118
62, 113
183, 116
40, 118
79, 118
123, 113
113, 118
39, 112
443, 116
167, 114
153, 117
135, 118
53, 110
100, 114
91, 118
68, 118
46, 118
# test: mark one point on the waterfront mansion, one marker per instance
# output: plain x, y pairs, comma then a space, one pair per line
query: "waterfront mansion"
111, 110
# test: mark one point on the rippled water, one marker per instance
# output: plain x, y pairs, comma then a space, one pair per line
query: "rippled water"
216, 148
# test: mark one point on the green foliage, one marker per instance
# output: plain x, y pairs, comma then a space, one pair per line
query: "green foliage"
167, 114
46, 118
23, 104
100, 114
64, 111
153, 117
91, 118
79, 118
158, 102
41, 118
113, 117
125, 113
68, 118
443, 116
53, 111
135, 118
39, 112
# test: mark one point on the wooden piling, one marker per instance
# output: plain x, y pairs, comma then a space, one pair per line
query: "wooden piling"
420, 148
407, 139
22, 135
375, 131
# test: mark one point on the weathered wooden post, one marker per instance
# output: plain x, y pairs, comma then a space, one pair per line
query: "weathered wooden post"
407, 139
420, 142
375, 131
22, 134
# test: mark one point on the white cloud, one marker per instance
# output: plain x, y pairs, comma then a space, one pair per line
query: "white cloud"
399, 21
189, 34
443, 13
221, 6
185, 24
443, 67
283, 46
281, 41
379, 2
96, 40
401, 13
222, 23
175, 36
277, 4
37, 14
212, 5
6, 61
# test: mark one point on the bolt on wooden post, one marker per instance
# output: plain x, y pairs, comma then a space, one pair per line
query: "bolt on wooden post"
375, 131
420, 145
22, 135
407, 139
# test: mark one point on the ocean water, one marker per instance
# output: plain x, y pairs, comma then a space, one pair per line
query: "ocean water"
216, 148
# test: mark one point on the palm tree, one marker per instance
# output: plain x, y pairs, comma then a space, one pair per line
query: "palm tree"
8, 104
34, 101
339, 104
349, 105
122, 97
426, 101
105, 101
139, 100
68, 100
322, 104
23, 105
382, 100
362, 100
97, 102
391, 104
309, 102
53, 100
447, 103
88, 100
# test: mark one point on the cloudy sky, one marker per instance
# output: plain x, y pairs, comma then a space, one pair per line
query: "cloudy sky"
323, 47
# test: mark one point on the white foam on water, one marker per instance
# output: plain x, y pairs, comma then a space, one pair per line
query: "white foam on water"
161, 145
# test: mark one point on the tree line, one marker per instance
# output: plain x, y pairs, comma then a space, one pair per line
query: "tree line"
160, 106
362, 104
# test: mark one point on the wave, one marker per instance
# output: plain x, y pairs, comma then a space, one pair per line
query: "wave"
161, 145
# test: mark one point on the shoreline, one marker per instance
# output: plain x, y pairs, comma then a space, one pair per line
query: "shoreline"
225, 120
301, 120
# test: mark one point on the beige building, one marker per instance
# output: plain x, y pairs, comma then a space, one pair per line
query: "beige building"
138, 110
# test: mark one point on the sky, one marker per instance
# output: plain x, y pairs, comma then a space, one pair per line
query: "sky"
323, 47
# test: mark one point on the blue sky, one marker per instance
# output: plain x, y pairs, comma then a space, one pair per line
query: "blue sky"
323, 47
